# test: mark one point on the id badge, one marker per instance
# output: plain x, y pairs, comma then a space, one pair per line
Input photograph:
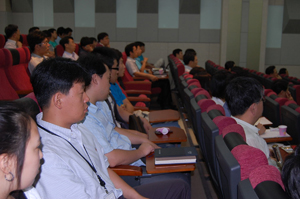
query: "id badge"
110, 195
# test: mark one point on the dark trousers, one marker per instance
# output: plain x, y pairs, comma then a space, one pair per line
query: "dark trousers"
164, 98
169, 189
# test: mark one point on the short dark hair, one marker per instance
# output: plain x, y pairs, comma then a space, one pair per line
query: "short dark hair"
64, 41
56, 75
190, 50
85, 41
229, 65
270, 70
47, 33
101, 35
67, 30
93, 64
33, 29
241, 93
176, 51
118, 54
218, 83
109, 55
10, 30
129, 48
60, 31
35, 38
93, 39
290, 174
139, 43
188, 56
15, 128
51, 30
280, 85
282, 71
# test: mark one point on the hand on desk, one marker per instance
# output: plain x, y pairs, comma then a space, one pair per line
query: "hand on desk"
147, 147
261, 128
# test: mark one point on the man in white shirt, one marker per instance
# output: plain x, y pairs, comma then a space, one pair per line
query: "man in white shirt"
190, 60
39, 45
244, 96
75, 165
69, 46
12, 32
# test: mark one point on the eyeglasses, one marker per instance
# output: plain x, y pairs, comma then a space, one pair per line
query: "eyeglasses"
115, 68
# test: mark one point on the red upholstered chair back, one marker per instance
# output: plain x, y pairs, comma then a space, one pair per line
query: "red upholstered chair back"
7, 92
32, 96
59, 50
188, 76
124, 56
281, 101
2, 41
191, 81
249, 159
216, 107
268, 91
222, 122
196, 90
271, 93
17, 73
297, 87
234, 128
77, 49
205, 103
24, 42
196, 83
265, 173
203, 92
289, 102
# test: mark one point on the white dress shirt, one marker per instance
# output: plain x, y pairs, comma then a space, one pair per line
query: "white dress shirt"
10, 44
72, 56
34, 61
64, 173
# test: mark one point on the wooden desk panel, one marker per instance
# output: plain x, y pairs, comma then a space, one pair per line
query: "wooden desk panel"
178, 135
168, 115
152, 168
278, 139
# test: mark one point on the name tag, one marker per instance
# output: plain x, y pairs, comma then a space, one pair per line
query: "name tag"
110, 195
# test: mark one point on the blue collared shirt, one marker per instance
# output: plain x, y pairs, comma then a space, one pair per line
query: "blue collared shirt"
100, 122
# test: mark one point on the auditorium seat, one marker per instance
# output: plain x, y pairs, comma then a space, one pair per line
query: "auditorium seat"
2, 41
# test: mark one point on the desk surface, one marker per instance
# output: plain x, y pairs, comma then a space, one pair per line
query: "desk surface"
273, 136
152, 168
168, 115
178, 135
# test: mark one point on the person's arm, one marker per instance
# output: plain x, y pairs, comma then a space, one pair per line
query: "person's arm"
144, 64
128, 192
125, 157
261, 128
19, 44
145, 75
128, 106
135, 137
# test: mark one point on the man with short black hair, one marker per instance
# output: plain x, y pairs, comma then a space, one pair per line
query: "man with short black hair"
61, 33
86, 46
33, 29
245, 96
281, 88
271, 70
103, 39
190, 60
52, 41
39, 47
69, 47
12, 33
178, 53
229, 65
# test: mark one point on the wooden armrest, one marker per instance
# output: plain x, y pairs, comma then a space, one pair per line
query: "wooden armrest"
138, 92
142, 108
139, 99
141, 85
24, 92
127, 170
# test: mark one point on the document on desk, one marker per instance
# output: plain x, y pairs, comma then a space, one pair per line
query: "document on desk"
274, 133
263, 121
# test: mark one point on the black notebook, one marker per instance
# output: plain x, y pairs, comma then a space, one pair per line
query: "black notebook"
177, 155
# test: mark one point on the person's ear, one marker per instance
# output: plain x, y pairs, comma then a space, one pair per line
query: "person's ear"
6, 163
94, 79
253, 108
57, 99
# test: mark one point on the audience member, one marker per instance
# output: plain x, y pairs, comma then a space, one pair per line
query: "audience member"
202, 76
12, 33
158, 64
68, 32
94, 42
178, 53
61, 33
290, 174
75, 165
281, 88
283, 71
271, 70
86, 46
33, 29
245, 96
190, 60
52, 41
229, 65
69, 47
50, 52
39, 47
141, 65
20, 152
103, 39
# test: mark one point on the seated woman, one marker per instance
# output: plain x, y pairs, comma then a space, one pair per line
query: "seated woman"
20, 153
281, 88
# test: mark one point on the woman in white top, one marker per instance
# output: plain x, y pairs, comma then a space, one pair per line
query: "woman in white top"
20, 152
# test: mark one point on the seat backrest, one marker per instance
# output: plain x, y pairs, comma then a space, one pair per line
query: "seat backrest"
205, 103
216, 107
29, 106
17, 73
297, 88
203, 92
236, 128
291, 118
59, 50
196, 90
223, 121
2, 41
191, 81
24, 42
249, 159
7, 92
229, 169
124, 56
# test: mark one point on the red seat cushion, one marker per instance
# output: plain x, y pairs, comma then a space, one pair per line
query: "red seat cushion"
216, 107
223, 121
205, 103
234, 128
